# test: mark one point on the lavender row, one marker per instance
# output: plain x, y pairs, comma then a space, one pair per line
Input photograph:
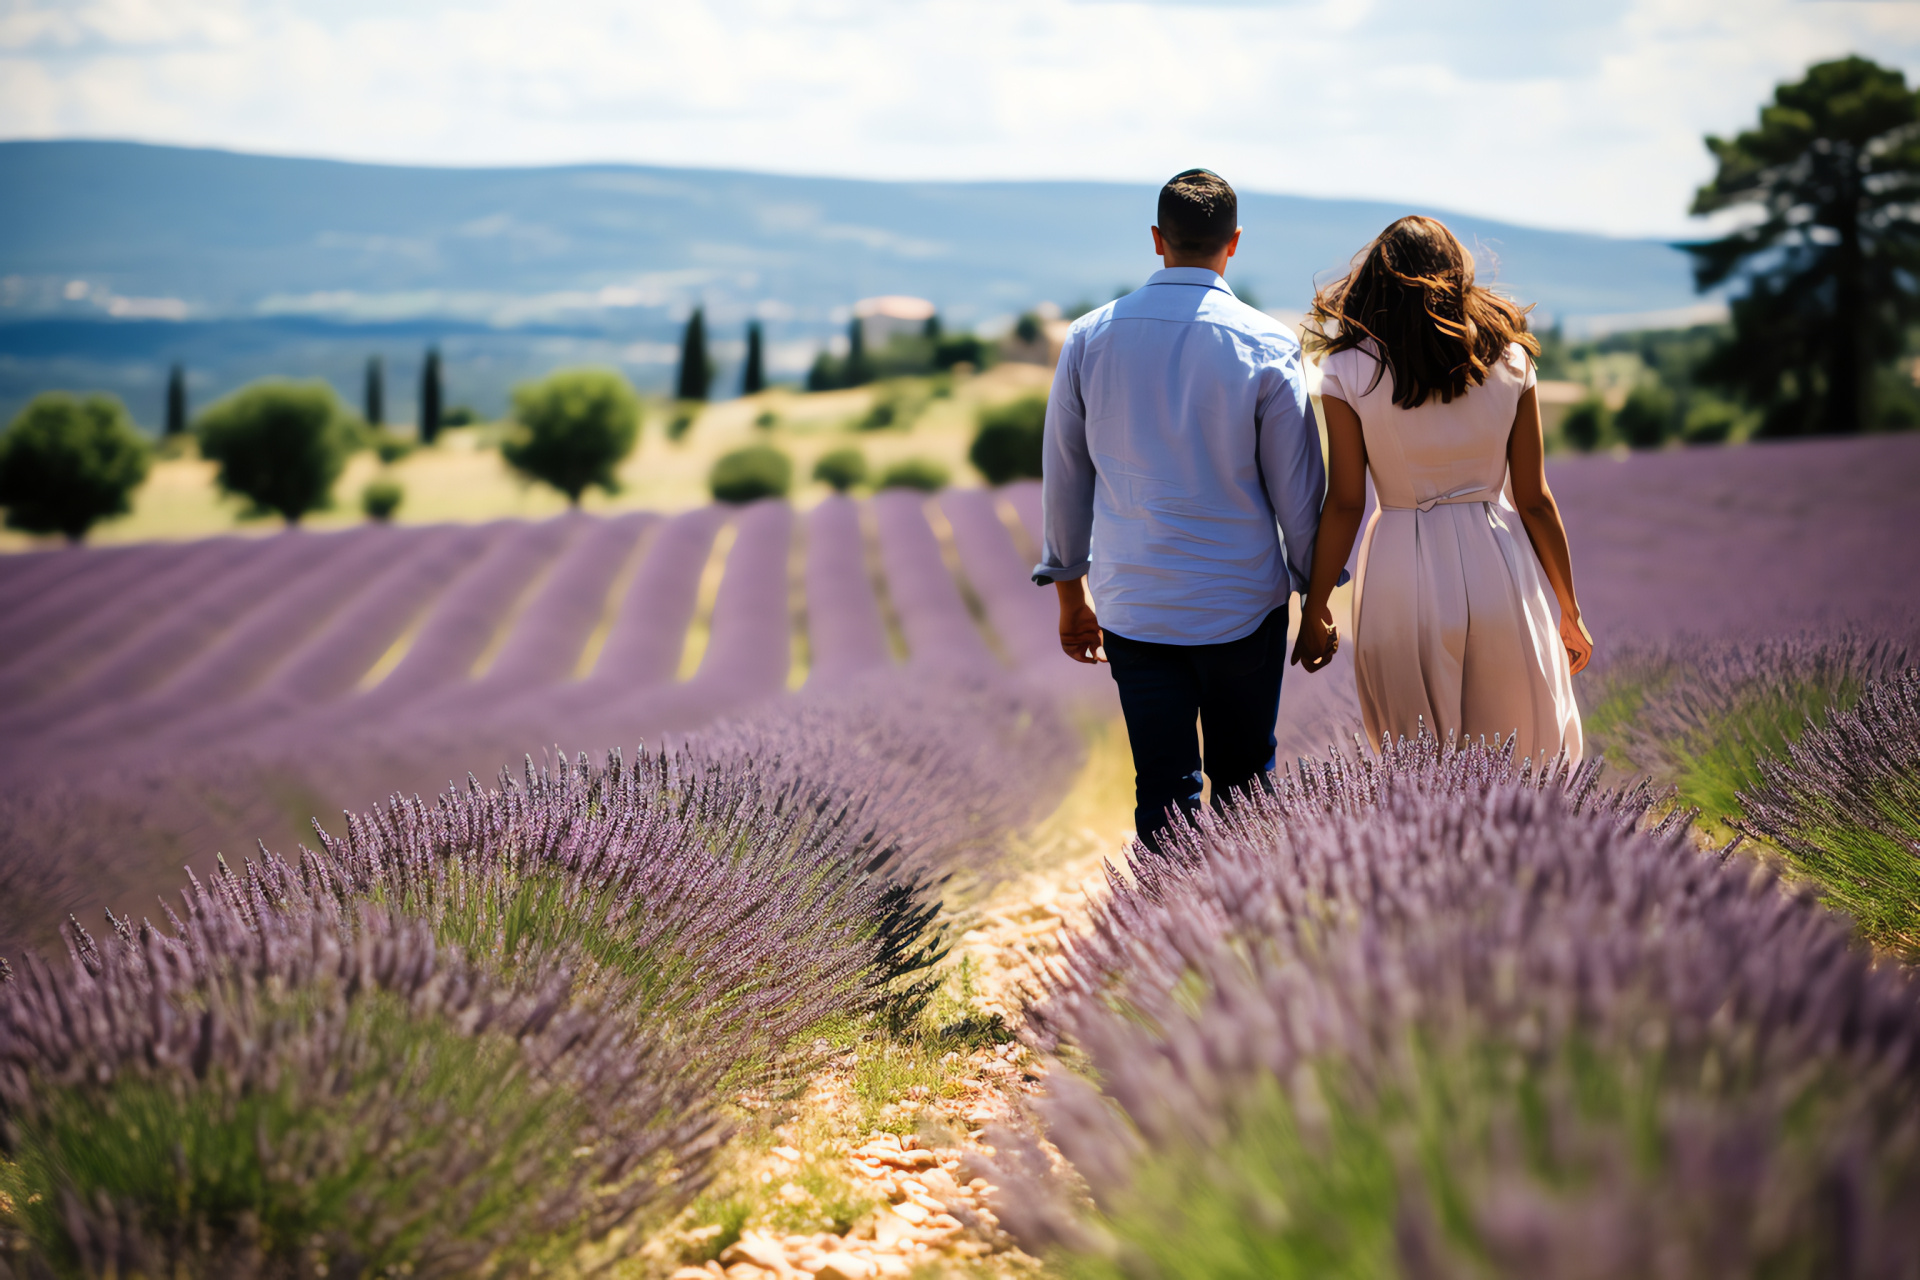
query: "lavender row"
48, 593
247, 742
1743, 542
545, 642
183, 633
1844, 806
687, 916
940, 632
278, 1084
1421, 1017
845, 632
111, 622
238, 659
1700, 714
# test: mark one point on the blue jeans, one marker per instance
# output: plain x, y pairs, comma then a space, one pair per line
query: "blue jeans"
1233, 689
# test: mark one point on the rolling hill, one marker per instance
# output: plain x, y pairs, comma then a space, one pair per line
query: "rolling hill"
116, 258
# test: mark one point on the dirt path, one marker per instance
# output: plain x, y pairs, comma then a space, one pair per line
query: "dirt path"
865, 1172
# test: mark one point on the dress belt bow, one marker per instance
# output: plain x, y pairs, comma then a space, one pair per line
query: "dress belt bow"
1479, 493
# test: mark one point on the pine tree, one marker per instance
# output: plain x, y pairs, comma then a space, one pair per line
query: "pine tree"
177, 400
1833, 170
754, 379
376, 399
696, 369
430, 396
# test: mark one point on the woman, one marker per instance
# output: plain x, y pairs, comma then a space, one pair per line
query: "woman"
1428, 382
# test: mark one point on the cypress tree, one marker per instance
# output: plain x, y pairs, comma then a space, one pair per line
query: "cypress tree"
376, 392
177, 400
859, 371
696, 370
825, 374
755, 377
430, 396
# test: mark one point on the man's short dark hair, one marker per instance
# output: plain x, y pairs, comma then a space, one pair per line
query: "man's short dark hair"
1198, 212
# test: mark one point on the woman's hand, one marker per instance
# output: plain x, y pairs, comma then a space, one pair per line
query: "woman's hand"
1579, 641
1079, 628
1318, 641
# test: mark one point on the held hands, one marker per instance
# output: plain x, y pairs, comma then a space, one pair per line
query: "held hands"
1318, 640
1579, 641
1079, 629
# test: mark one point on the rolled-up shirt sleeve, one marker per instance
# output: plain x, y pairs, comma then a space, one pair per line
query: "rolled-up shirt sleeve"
1067, 476
1290, 461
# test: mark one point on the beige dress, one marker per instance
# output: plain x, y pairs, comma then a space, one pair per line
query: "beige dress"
1452, 617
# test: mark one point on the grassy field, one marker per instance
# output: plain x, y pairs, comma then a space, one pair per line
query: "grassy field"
464, 479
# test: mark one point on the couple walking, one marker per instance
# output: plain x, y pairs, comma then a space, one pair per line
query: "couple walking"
1184, 483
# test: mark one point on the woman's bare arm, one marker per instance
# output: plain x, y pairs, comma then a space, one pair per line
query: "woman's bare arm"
1526, 458
1340, 516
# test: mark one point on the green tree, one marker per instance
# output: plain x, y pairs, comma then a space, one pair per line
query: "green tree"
961, 348
381, 498
66, 463
749, 474
375, 397
841, 469
928, 475
825, 373
1646, 419
1586, 424
753, 378
430, 398
280, 445
574, 428
1830, 264
1007, 446
176, 401
696, 367
1709, 421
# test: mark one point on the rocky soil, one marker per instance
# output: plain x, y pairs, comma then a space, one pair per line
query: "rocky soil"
907, 1165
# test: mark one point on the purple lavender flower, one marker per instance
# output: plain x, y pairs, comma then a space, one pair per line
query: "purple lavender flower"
277, 1086
1414, 1015
1698, 713
1844, 806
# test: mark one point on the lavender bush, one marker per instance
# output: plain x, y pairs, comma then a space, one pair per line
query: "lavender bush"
1844, 806
277, 1087
715, 906
1700, 714
1423, 1019
736, 890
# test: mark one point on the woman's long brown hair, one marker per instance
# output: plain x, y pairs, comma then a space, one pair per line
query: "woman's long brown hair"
1414, 297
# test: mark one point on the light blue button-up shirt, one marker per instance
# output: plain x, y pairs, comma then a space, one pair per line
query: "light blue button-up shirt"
1183, 474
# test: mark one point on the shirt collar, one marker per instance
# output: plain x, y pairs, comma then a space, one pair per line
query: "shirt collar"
1191, 275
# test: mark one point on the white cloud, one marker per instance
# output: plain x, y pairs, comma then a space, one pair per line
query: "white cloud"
1569, 115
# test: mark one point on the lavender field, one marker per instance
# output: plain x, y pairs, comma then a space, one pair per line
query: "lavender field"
638, 833
164, 702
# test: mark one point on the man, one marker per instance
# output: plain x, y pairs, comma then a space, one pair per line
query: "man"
1183, 481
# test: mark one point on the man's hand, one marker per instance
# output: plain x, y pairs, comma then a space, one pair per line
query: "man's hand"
1079, 629
1318, 640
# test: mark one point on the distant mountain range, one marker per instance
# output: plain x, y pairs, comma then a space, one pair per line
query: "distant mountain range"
242, 264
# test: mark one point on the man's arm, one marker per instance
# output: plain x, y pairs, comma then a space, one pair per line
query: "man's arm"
1066, 505
1290, 461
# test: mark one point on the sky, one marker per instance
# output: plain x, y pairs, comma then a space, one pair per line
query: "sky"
1585, 114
